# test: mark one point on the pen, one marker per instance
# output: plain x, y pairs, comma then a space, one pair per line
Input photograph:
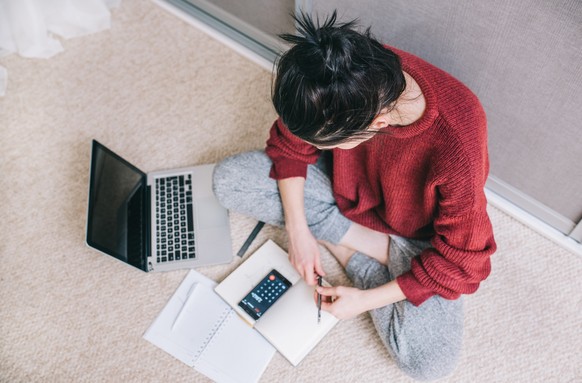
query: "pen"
318, 300
250, 239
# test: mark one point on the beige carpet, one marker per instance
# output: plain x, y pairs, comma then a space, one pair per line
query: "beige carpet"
163, 94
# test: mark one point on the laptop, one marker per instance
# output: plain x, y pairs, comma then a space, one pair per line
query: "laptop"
159, 221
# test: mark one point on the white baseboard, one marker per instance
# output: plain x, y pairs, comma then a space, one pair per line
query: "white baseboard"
534, 223
237, 47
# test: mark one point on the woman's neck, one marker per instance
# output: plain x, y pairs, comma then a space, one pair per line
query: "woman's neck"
410, 106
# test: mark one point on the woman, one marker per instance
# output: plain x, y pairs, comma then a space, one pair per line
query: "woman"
397, 196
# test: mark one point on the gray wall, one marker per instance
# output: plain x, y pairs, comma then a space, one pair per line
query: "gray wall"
524, 60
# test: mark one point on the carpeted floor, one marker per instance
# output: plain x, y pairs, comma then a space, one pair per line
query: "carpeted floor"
163, 94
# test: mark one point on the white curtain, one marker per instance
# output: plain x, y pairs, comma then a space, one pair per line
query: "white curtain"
29, 27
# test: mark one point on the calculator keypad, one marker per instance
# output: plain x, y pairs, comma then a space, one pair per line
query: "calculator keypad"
264, 295
271, 290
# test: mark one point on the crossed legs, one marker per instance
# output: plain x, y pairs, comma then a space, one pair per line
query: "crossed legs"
425, 341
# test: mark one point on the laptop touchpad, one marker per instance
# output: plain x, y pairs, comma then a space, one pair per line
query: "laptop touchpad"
210, 213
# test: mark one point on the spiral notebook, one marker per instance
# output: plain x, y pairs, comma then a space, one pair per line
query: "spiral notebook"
290, 323
198, 328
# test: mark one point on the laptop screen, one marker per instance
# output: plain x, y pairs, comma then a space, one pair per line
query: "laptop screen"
117, 204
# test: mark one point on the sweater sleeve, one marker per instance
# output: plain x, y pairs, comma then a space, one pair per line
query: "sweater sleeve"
459, 258
290, 155
457, 262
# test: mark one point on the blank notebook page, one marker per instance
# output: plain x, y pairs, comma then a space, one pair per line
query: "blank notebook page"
292, 328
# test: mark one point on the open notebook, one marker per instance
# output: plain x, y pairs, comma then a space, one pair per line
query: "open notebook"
290, 324
198, 328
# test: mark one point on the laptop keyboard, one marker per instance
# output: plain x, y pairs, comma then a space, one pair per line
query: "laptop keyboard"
174, 219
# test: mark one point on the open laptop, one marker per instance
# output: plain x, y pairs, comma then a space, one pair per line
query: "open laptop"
159, 221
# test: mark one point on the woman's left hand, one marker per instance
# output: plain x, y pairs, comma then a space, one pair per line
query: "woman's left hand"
341, 301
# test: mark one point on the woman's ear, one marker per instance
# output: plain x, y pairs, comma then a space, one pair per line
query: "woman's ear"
381, 121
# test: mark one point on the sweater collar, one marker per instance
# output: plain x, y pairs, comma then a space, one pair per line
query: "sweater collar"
430, 113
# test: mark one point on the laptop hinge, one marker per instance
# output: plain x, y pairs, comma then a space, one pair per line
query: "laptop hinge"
148, 226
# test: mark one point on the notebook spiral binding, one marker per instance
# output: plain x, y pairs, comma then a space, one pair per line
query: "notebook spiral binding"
222, 320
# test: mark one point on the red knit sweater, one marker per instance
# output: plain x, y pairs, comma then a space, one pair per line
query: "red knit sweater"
422, 181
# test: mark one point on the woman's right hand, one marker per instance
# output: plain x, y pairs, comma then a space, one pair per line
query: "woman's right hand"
303, 248
304, 254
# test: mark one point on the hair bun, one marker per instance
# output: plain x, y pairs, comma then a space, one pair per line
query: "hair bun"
336, 56
324, 54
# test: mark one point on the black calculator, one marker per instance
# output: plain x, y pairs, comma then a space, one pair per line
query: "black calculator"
265, 294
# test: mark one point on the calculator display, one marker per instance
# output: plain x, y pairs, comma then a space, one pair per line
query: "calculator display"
265, 294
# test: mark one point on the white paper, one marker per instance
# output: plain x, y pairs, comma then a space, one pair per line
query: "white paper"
198, 328
296, 313
236, 354
291, 323
198, 320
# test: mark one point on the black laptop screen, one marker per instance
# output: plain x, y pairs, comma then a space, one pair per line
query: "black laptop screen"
116, 218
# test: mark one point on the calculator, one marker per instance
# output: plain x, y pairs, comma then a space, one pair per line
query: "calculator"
265, 294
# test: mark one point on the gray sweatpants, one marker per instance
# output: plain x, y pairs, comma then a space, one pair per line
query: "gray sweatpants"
424, 341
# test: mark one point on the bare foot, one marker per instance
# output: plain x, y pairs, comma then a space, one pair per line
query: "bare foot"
341, 253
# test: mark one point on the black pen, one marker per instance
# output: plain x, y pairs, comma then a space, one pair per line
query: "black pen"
318, 300
250, 239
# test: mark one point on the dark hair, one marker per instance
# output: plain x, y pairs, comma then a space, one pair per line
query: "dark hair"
333, 81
